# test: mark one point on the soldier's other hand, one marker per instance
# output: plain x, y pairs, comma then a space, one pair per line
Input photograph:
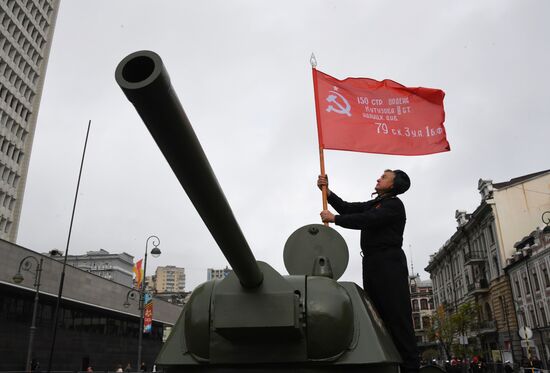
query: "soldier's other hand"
327, 216
322, 180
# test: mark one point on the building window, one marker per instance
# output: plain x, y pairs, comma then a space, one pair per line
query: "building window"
533, 318
526, 283
536, 281
488, 313
546, 278
523, 319
491, 235
518, 289
544, 320
415, 305
416, 321
495, 263
425, 322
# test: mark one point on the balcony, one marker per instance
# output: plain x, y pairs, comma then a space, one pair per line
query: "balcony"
474, 257
486, 327
479, 287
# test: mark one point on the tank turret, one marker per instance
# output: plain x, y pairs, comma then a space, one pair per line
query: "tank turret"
255, 319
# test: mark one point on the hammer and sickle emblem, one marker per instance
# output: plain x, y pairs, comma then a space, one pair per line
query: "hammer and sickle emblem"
343, 106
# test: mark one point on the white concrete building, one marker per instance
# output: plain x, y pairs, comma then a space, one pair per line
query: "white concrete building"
114, 267
26, 30
220, 274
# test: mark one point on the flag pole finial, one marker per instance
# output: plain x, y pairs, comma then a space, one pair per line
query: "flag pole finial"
313, 61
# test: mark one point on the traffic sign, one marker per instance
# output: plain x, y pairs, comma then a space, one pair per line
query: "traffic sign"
527, 343
525, 332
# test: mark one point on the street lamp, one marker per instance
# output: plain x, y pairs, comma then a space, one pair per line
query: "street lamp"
27, 265
130, 295
155, 252
546, 220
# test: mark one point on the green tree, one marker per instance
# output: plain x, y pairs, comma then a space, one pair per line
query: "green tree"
448, 328
441, 330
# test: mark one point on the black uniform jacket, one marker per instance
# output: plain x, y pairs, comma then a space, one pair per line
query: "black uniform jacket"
381, 221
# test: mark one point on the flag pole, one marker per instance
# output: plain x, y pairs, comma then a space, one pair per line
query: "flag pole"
324, 191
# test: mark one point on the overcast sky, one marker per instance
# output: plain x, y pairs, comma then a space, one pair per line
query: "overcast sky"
241, 70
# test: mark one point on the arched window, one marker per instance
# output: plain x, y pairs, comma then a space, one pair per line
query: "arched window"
416, 321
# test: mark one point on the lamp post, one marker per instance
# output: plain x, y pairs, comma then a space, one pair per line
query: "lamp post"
27, 265
546, 220
155, 252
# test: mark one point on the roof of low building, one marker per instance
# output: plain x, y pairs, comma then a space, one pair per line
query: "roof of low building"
519, 179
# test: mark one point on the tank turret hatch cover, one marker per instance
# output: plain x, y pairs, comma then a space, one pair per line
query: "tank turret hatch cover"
309, 242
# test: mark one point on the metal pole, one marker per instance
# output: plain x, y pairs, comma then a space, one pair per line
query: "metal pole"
34, 312
505, 308
141, 299
142, 296
62, 279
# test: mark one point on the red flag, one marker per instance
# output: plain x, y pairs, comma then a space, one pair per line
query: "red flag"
139, 273
365, 115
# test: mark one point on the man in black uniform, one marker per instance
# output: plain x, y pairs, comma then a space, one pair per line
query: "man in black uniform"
385, 275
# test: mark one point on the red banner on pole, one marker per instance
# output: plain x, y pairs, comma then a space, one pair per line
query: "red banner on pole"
148, 314
365, 115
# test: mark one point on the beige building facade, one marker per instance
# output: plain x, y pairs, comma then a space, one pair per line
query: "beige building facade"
170, 279
517, 206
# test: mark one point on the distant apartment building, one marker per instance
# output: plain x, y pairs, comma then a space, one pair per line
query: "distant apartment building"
26, 31
470, 265
422, 309
150, 283
170, 279
213, 274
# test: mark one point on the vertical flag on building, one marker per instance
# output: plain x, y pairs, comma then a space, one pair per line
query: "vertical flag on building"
139, 273
148, 313
385, 117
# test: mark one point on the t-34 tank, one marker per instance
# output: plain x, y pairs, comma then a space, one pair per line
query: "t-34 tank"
255, 319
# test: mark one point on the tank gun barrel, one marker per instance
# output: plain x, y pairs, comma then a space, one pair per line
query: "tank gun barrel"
145, 82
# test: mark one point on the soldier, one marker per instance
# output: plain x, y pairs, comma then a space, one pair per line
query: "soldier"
385, 275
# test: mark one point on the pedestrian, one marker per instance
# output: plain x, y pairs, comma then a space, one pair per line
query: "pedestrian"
385, 274
35, 365
508, 367
143, 367
128, 368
